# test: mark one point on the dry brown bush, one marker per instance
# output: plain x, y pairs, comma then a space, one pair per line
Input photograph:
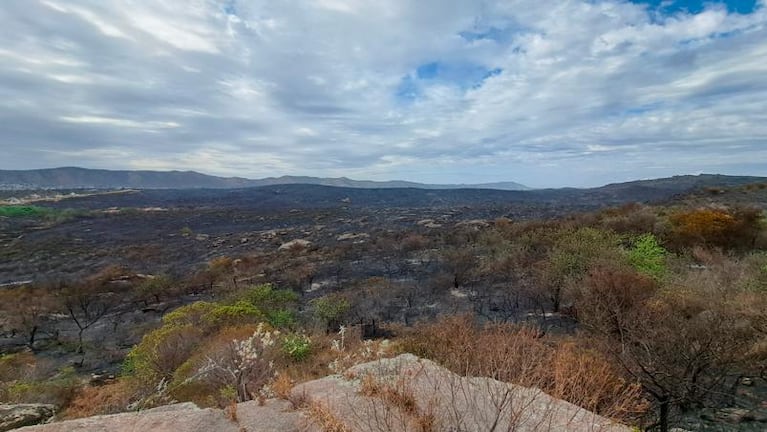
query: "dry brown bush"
630, 219
521, 355
325, 419
106, 399
282, 386
686, 341
19, 366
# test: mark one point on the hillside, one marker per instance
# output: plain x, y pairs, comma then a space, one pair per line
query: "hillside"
74, 178
114, 300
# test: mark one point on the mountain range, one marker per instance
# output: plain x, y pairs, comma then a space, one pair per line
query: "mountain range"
80, 178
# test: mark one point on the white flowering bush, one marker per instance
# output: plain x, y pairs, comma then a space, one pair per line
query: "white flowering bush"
244, 365
347, 357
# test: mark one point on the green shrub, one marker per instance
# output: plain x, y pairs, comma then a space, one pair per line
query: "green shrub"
268, 299
647, 256
57, 390
283, 319
161, 351
331, 309
193, 314
237, 313
297, 346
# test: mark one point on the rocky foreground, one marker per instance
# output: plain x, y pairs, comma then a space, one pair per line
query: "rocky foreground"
402, 394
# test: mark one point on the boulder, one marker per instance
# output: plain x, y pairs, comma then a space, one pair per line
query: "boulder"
16, 416
274, 415
295, 244
408, 392
352, 236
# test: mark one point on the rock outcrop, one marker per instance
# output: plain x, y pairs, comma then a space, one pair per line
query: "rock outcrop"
295, 244
16, 416
406, 393
402, 394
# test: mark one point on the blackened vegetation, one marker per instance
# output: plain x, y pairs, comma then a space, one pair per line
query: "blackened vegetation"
670, 293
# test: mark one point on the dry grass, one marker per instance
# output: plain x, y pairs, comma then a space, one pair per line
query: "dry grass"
398, 396
326, 420
106, 399
231, 412
522, 356
282, 386
395, 395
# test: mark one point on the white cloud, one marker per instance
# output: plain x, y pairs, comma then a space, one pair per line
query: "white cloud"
437, 90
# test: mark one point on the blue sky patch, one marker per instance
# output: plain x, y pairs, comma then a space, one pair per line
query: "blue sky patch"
463, 75
696, 6
230, 8
492, 33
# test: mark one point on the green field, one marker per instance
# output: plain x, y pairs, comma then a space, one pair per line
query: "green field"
23, 211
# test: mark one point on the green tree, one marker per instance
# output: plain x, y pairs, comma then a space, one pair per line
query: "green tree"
648, 257
330, 310
571, 257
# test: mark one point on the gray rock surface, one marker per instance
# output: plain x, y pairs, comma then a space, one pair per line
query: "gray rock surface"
16, 416
274, 415
412, 391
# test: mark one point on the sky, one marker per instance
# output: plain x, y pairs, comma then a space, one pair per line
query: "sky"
545, 93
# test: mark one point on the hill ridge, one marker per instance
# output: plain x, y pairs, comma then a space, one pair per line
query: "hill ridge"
81, 178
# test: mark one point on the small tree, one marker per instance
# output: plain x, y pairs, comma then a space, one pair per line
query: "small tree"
86, 304
155, 287
460, 264
330, 310
572, 255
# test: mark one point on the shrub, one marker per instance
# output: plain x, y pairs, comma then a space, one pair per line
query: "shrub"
160, 352
610, 299
268, 299
155, 287
573, 254
296, 346
107, 399
57, 390
648, 257
730, 229
238, 313
191, 314
185, 385
331, 309
244, 365
18, 366
282, 318
521, 355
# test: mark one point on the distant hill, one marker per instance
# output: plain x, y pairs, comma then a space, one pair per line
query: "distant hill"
79, 178
280, 197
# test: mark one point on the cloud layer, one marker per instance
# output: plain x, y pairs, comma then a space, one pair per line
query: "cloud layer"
545, 93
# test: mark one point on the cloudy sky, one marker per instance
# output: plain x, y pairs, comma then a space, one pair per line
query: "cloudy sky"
547, 93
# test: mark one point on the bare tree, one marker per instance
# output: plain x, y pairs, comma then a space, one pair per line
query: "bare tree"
86, 304
683, 345
27, 307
